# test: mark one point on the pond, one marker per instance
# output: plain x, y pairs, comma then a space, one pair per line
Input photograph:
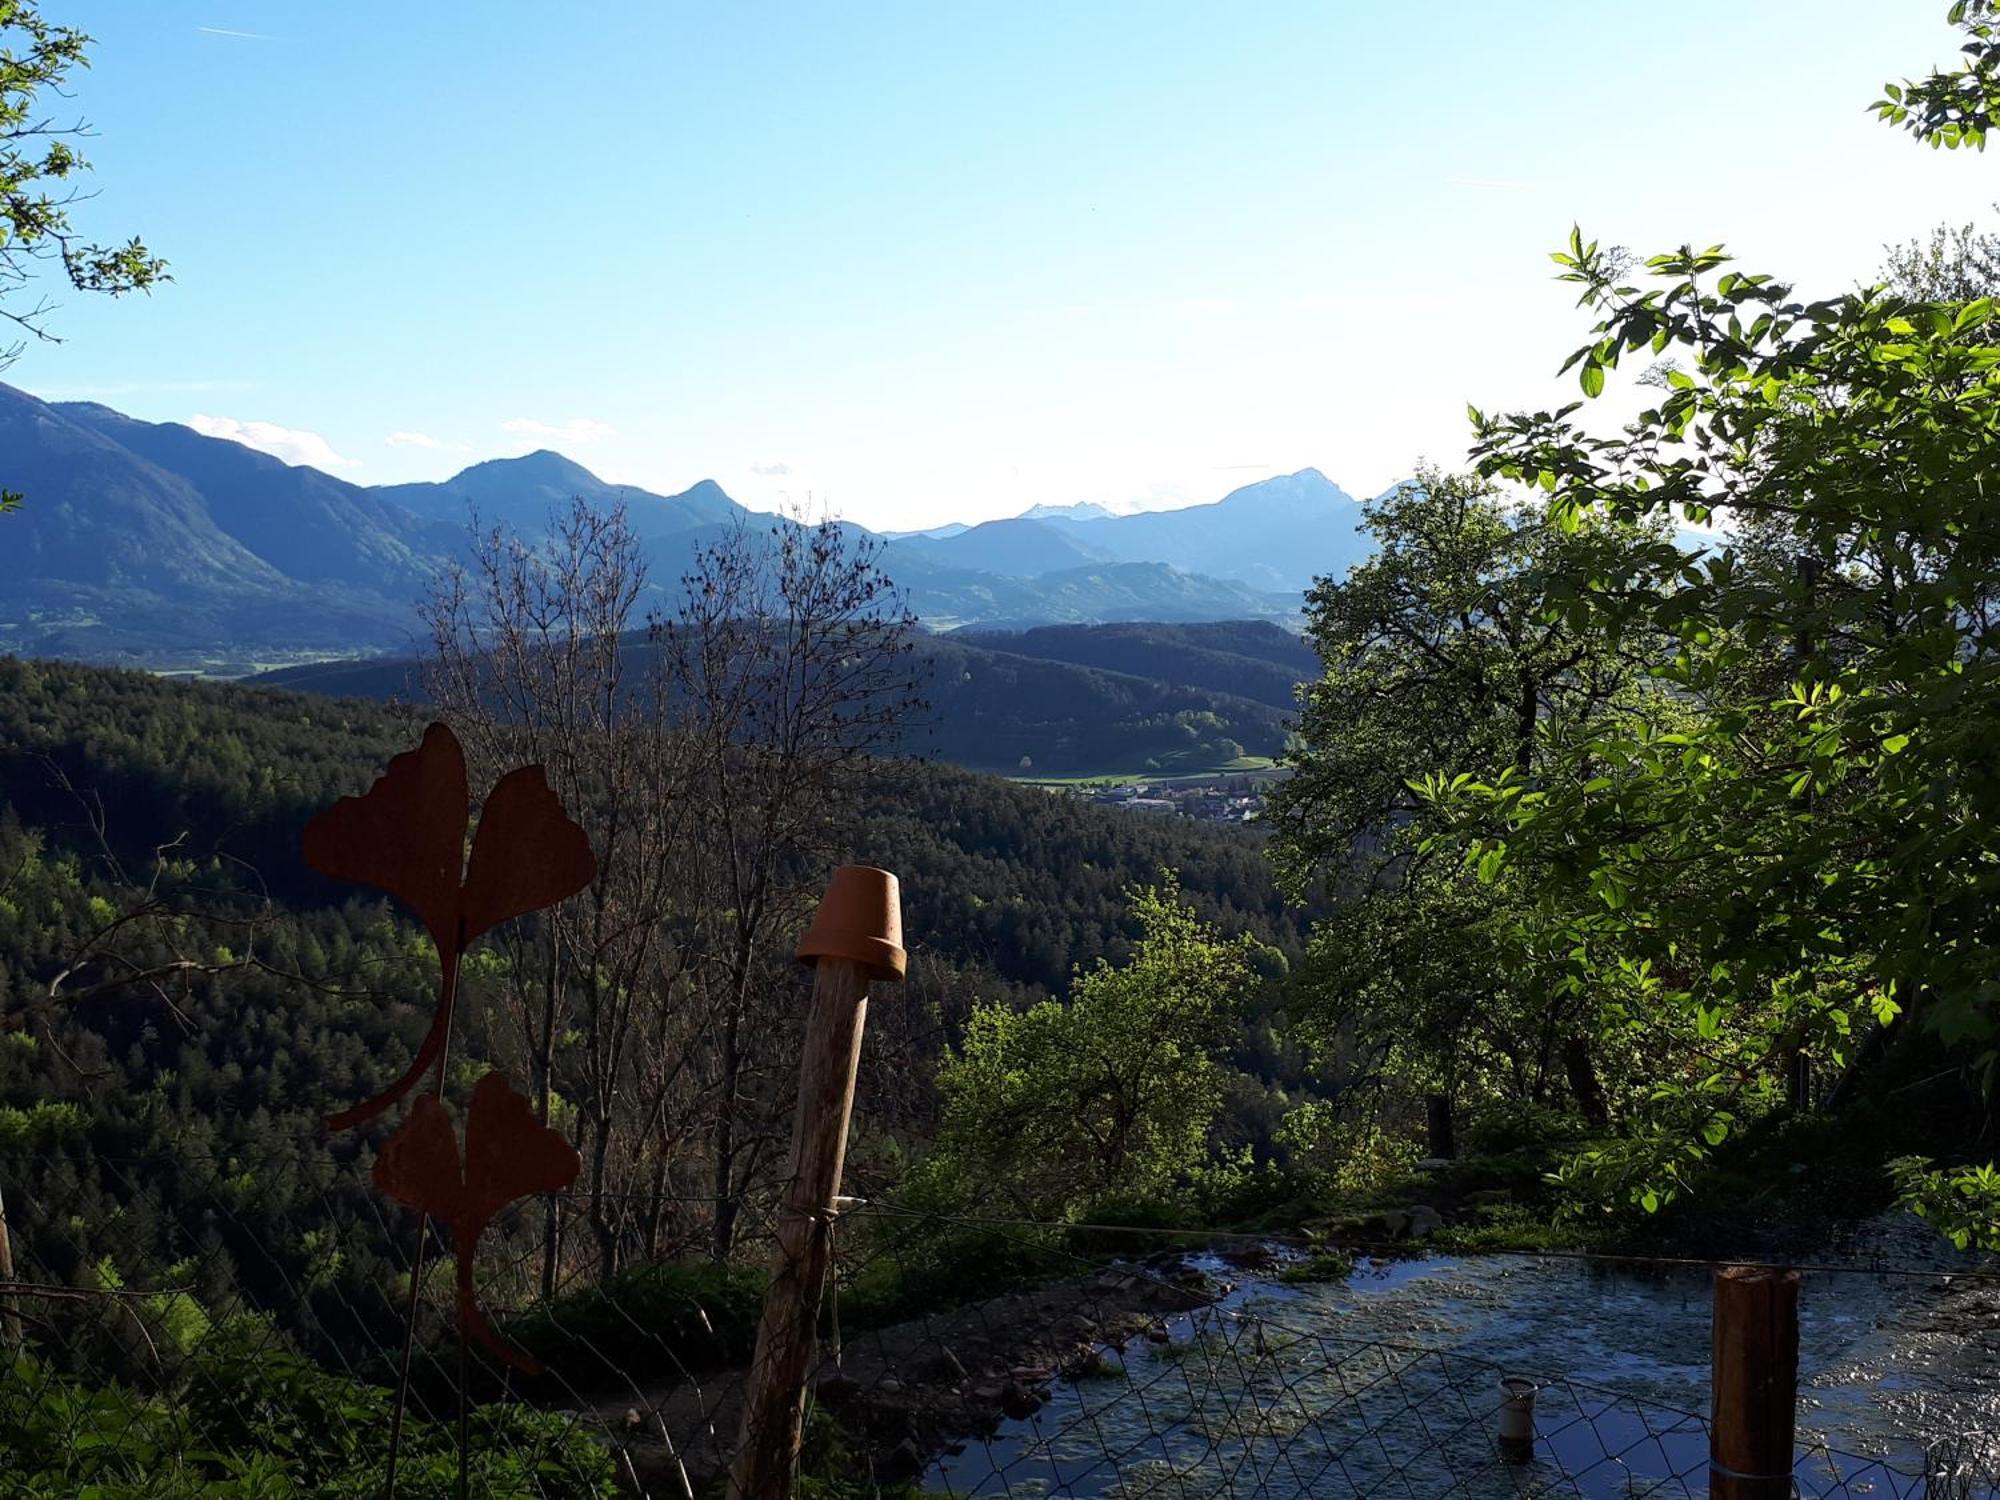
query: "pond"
1386, 1384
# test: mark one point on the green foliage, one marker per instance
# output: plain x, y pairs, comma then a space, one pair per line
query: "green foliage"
1787, 845
917, 1269
654, 1322
206, 1110
264, 1425
1952, 108
39, 172
1252, 659
1120, 1088
1322, 1266
1444, 657
39, 1126
1964, 1202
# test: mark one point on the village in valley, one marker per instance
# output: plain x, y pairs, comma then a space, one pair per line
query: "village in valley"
1231, 797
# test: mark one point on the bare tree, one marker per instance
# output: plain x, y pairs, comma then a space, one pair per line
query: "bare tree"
531, 652
792, 652
716, 760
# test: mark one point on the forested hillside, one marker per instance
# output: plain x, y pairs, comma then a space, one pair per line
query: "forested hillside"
181, 999
1153, 700
1244, 658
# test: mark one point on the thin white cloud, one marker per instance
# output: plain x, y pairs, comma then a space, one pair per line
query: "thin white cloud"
294, 445
575, 430
246, 36
770, 471
422, 440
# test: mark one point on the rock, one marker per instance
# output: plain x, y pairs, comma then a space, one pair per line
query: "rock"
1488, 1198
1029, 1373
1157, 1333
943, 1366
1424, 1220
1434, 1164
1251, 1257
1090, 1363
889, 1386
1019, 1401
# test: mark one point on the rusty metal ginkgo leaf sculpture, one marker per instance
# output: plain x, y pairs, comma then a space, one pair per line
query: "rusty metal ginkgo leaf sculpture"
406, 835
509, 1154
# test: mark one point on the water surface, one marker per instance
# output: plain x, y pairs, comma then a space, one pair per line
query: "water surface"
1387, 1385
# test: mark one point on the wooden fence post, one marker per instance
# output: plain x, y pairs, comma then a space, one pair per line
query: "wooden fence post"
1755, 1339
10, 1308
857, 936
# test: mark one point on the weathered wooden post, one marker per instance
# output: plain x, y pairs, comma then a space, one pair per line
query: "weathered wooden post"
1755, 1339
1517, 1419
857, 936
10, 1310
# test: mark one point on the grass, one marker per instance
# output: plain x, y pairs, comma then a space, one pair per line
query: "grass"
1327, 1265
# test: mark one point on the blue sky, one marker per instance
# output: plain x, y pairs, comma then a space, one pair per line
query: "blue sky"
931, 261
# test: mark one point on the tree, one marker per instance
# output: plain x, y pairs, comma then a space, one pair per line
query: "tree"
39, 169
1441, 658
530, 647
789, 660
1955, 264
717, 758
1801, 856
1956, 107
1118, 1090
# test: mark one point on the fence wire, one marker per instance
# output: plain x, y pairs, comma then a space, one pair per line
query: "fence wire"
215, 1325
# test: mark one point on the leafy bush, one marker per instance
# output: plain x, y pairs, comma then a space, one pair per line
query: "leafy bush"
653, 1322
946, 1266
266, 1425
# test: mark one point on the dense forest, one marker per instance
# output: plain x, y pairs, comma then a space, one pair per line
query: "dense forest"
1093, 702
182, 998
1243, 658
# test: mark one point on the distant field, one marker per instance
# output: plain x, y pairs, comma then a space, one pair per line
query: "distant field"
1263, 767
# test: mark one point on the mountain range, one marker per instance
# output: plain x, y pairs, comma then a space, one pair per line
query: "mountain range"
152, 544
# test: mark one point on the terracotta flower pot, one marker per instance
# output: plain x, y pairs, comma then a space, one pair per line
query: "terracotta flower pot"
860, 918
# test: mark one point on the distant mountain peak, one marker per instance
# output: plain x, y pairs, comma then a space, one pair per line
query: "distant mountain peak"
1082, 510
544, 465
1306, 484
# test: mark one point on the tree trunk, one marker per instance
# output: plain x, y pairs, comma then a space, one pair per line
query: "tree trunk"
1583, 1084
1526, 714
1441, 1141
725, 1139
607, 1232
656, 1215
543, 1067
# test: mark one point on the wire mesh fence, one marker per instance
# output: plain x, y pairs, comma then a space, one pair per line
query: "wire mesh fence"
179, 1327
